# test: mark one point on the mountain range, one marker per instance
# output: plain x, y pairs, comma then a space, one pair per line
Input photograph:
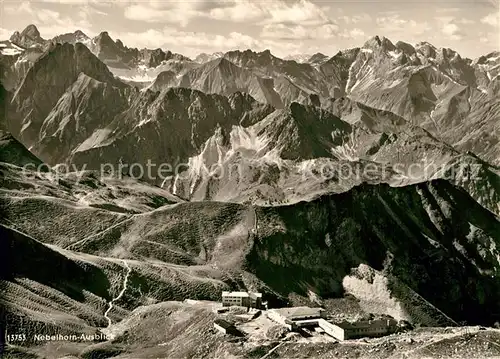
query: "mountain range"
316, 174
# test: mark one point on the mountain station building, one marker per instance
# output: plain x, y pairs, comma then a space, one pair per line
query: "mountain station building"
242, 299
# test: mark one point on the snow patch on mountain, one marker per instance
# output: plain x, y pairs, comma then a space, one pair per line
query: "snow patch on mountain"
8, 48
10, 52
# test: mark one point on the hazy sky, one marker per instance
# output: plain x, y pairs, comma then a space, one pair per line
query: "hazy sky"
284, 26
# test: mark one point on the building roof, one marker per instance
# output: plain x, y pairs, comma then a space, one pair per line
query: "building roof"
242, 294
294, 312
223, 323
307, 322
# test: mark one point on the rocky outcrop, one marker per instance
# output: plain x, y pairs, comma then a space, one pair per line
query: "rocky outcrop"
317, 58
13, 152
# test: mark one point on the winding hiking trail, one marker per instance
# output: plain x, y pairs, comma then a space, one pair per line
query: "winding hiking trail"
124, 288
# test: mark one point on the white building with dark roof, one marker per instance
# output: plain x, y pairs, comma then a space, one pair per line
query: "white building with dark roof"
364, 328
289, 317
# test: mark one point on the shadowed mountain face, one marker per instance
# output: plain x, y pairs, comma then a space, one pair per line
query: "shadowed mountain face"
41, 89
85, 106
452, 97
15, 62
434, 88
116, 55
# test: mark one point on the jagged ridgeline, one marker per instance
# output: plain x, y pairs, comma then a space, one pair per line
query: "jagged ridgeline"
440, 114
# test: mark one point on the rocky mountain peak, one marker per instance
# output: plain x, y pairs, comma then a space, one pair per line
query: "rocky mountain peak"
88, 63
305, 132
317, 58
114, 53
76, 57
373, 42
449, 55
71, 37
104, 38
204, 57
119, 43
29, 37
387, 44
31, 31
349, 54
491, 57
57, 68
427, 49
378, 42
80, 33
265, 55
153, 58
240, 100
